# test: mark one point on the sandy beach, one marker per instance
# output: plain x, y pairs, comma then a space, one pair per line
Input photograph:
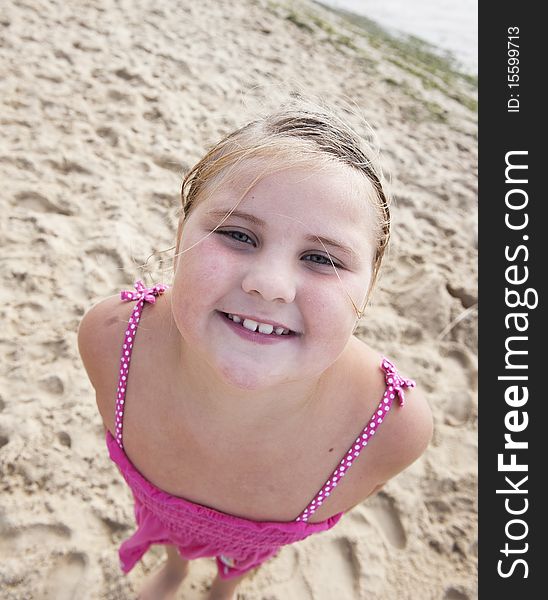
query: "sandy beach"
104, 105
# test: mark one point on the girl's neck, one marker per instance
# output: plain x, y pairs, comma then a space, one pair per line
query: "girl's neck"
207, 397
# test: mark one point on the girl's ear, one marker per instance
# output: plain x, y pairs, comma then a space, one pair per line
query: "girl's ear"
178, 242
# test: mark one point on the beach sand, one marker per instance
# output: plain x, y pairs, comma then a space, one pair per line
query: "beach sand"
104, 104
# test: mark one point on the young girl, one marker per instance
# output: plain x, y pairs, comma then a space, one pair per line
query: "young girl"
251, 416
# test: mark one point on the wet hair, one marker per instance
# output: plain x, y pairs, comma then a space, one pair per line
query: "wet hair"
293, 136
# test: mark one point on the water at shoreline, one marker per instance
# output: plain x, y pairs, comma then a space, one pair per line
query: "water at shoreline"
451, 26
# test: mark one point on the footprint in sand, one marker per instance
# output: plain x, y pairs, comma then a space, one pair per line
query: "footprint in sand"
339, 556
17, 540
64, 580
386, 516
30, 311
55, 349
459, 407
52, 384
462, 362
283, 567
107, 267
36, 202
461, 370
373, 557
409, 299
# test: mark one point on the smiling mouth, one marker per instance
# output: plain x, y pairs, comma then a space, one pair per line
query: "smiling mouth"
254, 326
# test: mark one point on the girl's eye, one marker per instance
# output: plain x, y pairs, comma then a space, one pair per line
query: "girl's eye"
239, 236
320, 259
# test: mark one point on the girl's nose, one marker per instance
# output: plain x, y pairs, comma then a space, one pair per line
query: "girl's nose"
271, 280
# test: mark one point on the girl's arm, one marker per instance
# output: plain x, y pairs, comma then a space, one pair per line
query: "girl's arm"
100, 335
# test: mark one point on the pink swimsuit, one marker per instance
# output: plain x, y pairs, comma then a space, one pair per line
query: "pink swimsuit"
239, 544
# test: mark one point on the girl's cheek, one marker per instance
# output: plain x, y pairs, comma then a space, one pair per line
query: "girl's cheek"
207, 264
328, 308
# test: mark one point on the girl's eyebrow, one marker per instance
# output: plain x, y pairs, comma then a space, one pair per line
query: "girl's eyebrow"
236, 213
259, 222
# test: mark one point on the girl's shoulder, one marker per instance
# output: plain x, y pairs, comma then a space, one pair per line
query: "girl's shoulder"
100, 337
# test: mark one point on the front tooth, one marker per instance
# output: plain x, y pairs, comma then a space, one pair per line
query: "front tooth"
265, 328
250, 324
236, 319
280, 330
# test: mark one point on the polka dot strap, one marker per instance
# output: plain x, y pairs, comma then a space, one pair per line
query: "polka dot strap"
142, 295
394, 387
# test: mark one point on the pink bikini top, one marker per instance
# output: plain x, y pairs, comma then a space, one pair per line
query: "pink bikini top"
150, 494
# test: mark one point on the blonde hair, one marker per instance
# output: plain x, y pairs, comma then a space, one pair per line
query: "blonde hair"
292, 136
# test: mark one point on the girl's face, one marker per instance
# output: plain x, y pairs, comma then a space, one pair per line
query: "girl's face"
265, 265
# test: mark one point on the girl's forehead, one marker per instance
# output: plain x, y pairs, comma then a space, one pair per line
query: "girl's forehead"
333, 193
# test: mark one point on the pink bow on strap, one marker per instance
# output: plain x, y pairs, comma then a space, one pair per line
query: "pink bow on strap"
393, 379
144, 293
